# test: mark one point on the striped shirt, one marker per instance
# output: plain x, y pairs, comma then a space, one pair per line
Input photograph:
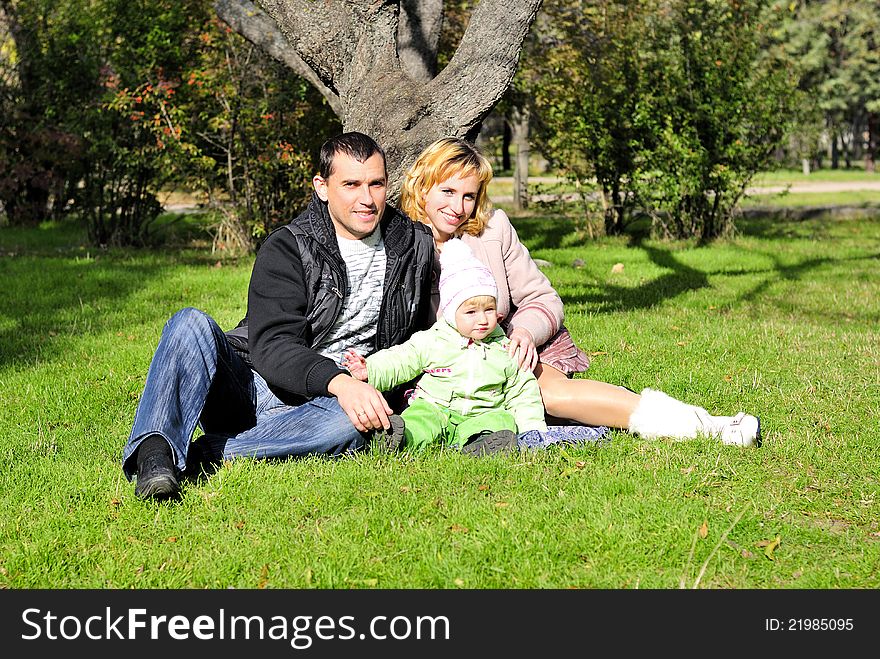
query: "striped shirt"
356, 325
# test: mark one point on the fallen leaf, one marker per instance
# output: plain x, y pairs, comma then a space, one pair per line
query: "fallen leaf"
704, 529
483, 488
727, 378
405, 488
264, 577
687, 470
459, 583
501, 504
770, 546
171, 538
239, 524
459, 528
597, 353
115, 502
617, 267
681, 343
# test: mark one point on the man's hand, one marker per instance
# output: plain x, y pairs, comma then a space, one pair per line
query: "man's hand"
522, 349
364, 405
356, 365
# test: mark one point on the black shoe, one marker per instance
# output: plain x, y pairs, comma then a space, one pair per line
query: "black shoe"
156, 472
490, 442
203, 458
392, 440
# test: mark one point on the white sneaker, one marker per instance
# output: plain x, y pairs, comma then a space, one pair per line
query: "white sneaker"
740, 430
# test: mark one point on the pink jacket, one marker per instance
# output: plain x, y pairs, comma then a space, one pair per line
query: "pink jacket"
526, 298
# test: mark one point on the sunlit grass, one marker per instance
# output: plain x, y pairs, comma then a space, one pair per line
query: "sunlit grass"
781, 321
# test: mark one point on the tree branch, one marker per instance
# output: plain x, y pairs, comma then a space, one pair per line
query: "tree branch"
261, 30
491, 45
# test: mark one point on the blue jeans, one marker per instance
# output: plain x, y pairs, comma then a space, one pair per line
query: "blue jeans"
196, 377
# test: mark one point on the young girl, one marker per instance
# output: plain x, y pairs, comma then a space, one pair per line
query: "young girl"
446, 189
471, 394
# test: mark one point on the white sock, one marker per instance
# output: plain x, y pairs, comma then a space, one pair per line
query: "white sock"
661, 415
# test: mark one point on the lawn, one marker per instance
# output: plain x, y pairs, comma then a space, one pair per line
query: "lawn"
781, 321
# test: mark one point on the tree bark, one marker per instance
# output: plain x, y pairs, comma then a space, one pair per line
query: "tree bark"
418, 36
354, 48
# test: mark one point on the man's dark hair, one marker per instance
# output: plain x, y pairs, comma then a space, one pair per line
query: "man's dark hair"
356, 145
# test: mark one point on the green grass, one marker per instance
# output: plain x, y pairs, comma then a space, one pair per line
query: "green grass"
849, 199
783, 176
781, 321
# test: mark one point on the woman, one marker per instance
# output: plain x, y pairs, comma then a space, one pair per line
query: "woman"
446, 188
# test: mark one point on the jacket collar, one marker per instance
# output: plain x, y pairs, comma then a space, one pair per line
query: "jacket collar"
397, 229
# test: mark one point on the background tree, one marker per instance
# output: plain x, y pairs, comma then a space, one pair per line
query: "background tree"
589, 88
670, 104
353, 48
834, 45
48, 73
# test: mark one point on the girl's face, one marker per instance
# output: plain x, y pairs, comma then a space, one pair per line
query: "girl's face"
476, 319
450, 203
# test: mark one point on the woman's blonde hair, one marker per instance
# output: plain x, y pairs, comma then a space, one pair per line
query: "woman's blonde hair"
445, 158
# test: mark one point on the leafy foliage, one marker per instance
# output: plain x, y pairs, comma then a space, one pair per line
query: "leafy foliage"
254, 131
112, 101
671, 105
833, 43
47, 75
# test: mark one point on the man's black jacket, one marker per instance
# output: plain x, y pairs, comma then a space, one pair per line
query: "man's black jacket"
296, 292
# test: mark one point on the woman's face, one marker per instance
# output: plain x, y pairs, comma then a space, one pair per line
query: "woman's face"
450, 203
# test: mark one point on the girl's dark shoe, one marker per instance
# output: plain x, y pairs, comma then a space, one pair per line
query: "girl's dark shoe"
490, 442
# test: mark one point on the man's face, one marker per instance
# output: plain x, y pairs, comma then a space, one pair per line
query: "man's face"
355, 194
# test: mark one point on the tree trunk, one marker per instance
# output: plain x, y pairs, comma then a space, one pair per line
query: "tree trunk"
506, 139
355, 49
871, 151
519, 128
835, 151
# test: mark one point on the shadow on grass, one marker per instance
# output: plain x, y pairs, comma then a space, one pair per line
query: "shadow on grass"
544, 233
679, 278
55, 286
47, 298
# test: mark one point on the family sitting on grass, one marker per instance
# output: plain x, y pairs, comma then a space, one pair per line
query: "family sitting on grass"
352, 277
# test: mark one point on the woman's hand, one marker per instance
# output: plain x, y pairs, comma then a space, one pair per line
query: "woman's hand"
522, 349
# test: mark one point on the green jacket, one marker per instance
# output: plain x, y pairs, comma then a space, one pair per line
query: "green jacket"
461, 374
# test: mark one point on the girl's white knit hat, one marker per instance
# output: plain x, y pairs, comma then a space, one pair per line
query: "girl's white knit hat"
462, 276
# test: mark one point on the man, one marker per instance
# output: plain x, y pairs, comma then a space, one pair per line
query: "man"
348, 271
